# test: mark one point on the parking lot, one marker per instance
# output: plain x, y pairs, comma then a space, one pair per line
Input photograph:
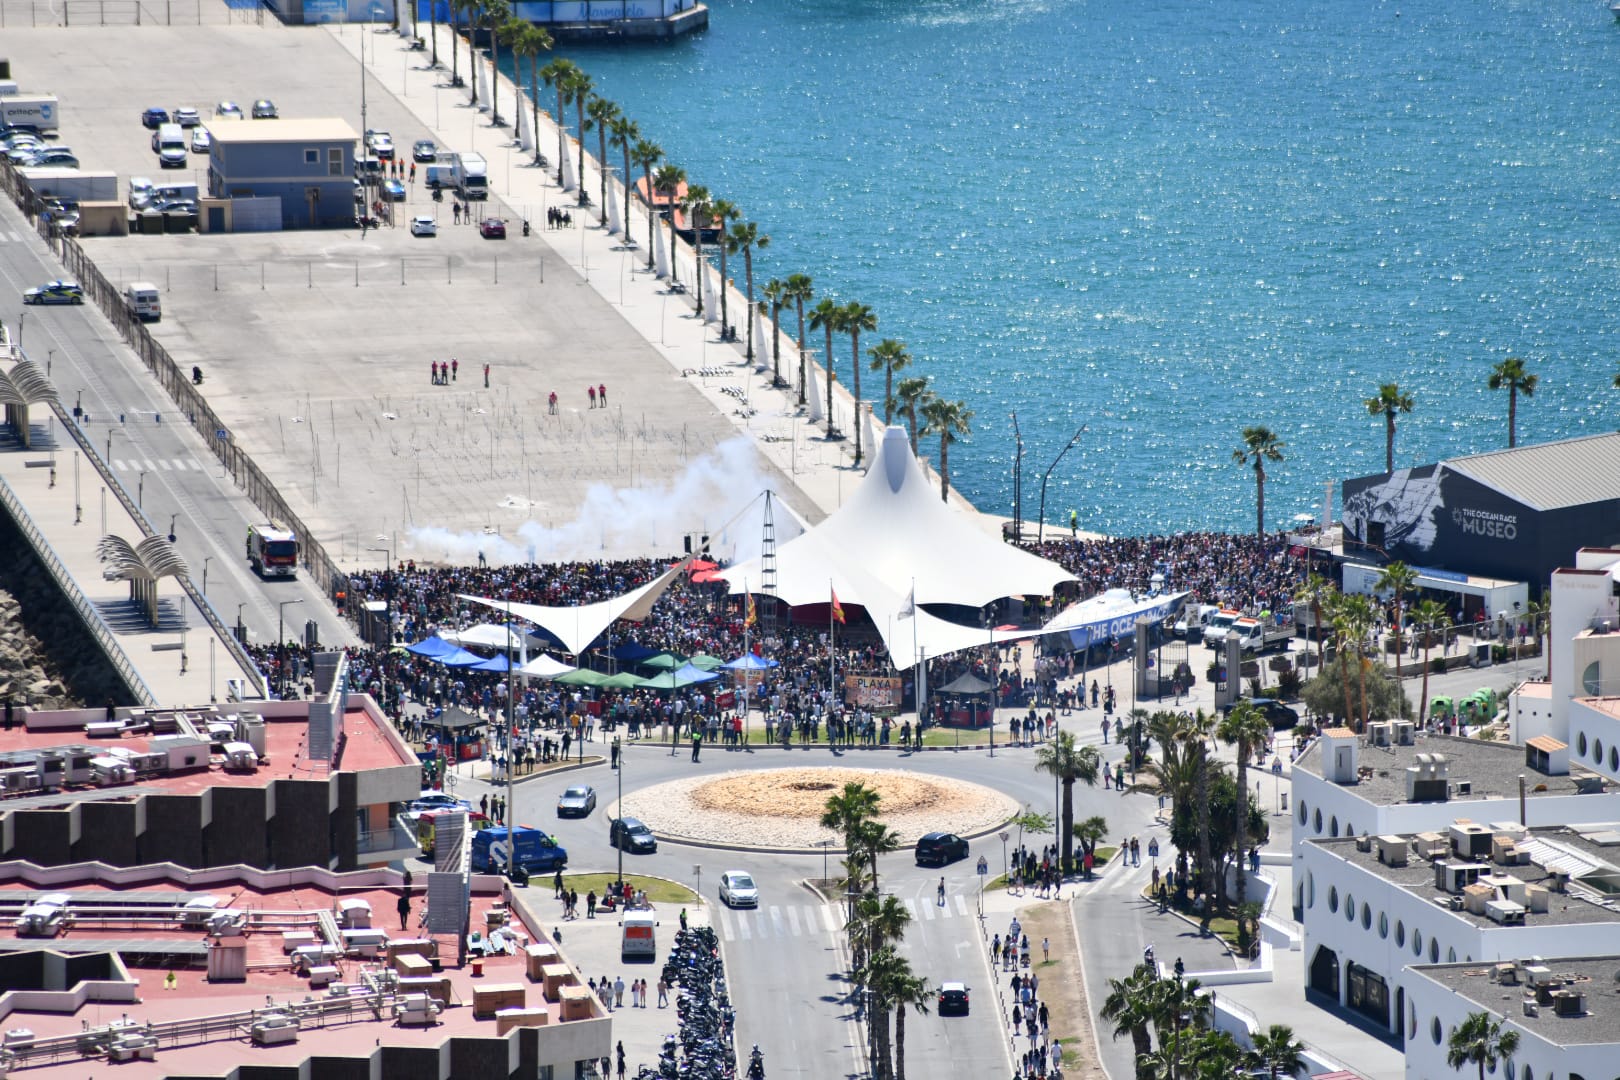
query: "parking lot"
315, 346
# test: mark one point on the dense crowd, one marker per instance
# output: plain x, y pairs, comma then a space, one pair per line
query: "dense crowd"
797, 696
1232, 569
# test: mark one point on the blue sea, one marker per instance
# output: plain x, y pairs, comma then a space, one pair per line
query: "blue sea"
1169, 221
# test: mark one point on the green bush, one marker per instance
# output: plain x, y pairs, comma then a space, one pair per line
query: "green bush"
1288, 685
1437, 666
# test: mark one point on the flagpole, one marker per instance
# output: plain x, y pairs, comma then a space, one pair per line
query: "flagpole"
748, 602
832, 657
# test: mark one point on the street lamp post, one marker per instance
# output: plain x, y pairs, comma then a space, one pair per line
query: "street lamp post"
172, 519
1004, 869
619, 757
1018, 481
1040, 527
206, 560
241, 631
140, 491
281, 641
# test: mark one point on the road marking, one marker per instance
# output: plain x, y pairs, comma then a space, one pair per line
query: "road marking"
793, 920
743, 930
776, 921
928, 911
15, 239
961, 904
121, 465
911, 907
831, 918
725, 924
164, 465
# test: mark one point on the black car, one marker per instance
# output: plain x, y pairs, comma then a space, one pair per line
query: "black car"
154, 118
953, 999
1279, 716
939, 848
629, 834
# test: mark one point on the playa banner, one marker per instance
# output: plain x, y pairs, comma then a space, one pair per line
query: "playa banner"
1112, 614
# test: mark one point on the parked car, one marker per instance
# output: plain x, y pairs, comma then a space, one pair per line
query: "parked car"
228, 110
424, 151
1281, 717
629, 834
153, 117
174, 206
380, 143
201, 140
953, 999
737, 889
393, 191
265, 109
438, 800
423, 225
492, 228
577, 801
187, 117
939, 848
55, 292
54, 159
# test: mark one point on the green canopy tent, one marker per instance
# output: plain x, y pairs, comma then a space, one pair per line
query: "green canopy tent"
705, 662
663, 661
582, 677
624, 680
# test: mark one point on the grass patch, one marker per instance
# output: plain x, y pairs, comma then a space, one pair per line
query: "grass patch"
658, 890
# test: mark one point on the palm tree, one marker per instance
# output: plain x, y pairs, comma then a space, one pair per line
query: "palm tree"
743, 238
1482, 1041
889, 356
1357, 613
905, 990
1090, 832
496, 15
667, 181
645, 154
948, 420
1315, 590
1278, 1051
1511, 376
1401, 580
533, 41
433, 36
1538, 611
799, 292
858, 317
602, 114
579, 92
457, 7
1389, 401
883, 971
879, 922
1068, 762
723, 212
775, 294
845, 813
1129, 1007
1246, 728
625, 132
696, 203
1426, 615
873, 838
827, 316
1195, 731
1260, 445
473, 9
910, 396
556, 75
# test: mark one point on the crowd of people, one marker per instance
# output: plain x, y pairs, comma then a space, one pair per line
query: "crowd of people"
1238, 570
1031, 1020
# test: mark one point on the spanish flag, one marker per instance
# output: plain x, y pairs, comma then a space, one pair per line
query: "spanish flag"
753, 616
837, 608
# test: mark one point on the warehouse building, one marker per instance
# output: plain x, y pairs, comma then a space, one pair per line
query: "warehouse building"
280, 174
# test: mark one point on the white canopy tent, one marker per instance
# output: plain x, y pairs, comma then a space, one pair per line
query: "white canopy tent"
615, 222
762, 340
660, 251
1111, 614
493, 636
546, 667
894, 537
576, 627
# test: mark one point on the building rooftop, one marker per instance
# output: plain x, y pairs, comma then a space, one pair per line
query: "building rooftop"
315, 129
1550, 476
1596, 975
167, 960
1608, 705
1491, 768
1588, 854
368, 743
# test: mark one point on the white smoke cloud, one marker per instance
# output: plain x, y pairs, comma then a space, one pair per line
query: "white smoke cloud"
614, 523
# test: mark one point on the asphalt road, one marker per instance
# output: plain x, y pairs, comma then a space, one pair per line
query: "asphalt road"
787, 961
158, 457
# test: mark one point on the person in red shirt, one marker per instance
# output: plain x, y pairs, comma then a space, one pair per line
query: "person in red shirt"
601, 394
590, 392
553, 403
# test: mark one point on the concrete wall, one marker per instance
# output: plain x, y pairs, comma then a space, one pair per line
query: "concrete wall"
174, 829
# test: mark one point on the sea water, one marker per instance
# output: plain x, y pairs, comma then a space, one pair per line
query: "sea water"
1168, 221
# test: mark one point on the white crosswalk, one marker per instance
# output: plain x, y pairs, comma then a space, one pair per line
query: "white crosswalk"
158, 465
808, 920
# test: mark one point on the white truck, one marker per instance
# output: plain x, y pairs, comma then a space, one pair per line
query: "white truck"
272, 551
470, 175
38, 111
1219, 625
1258, 635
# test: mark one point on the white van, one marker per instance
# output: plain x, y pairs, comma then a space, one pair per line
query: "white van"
1192, 620
169, 143
638, 938
143, 300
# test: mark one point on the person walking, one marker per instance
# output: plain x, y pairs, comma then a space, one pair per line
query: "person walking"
486, 376
618, 992
556, 884
1046, 950
941, 892
663, 992
404, 909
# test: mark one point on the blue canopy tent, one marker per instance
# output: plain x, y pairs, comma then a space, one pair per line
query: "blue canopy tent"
750, 662
432, 647
494, 663
683, 676
630, 652
460, 658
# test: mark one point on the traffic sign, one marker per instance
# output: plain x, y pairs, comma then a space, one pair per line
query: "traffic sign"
222, 435
984, 867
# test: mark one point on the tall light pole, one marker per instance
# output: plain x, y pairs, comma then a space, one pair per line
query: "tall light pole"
1040, 528
140, 491
620, 758
1018, 481
281, 642
206, 560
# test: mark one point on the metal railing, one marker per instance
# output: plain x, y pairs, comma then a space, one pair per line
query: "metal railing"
88, 614
37, 13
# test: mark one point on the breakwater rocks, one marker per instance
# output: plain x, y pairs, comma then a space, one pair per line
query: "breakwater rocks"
71, 670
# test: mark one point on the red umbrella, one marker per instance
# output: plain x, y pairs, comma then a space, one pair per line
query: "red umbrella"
706, 575
698, 565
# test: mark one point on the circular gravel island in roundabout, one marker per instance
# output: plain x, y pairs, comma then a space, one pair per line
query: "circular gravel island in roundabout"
780, 809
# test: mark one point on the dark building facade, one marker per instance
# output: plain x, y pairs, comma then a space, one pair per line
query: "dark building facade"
1514, 514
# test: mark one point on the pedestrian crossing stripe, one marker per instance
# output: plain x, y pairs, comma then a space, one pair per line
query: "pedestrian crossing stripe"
800, 920
160, 465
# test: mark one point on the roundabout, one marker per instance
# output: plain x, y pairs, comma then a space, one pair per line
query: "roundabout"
780, 809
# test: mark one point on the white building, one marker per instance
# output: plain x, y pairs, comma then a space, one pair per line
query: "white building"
1351, 785
1565, 1011
1473, 892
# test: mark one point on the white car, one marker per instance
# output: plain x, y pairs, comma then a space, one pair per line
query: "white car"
380, 143
737, 889
424, 226
228, 110
200, 140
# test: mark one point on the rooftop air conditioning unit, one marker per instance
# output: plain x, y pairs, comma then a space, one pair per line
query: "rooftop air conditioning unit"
1569, 1003
1505, 912
1558, 880
1392, 850
1405, 733
1364, 842
1537, 974
1505, 974
1378, 734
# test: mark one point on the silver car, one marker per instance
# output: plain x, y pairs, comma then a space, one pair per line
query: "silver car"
577, 801
737, 889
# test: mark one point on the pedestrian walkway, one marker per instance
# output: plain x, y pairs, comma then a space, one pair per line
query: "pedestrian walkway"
801, 920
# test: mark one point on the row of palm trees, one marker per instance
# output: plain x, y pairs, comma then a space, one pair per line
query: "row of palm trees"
574, 88
876, 924
1171, 1013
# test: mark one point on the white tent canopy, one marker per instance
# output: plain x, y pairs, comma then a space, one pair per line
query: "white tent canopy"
615, 223
660, 252
762, 340
1111, 614
576, 627
492, 636
893, 538
546, 667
